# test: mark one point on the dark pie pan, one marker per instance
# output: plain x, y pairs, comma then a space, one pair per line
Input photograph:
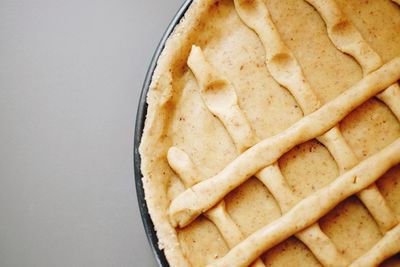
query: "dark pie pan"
139, 125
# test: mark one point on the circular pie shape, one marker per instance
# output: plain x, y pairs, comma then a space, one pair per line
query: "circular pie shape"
272, 135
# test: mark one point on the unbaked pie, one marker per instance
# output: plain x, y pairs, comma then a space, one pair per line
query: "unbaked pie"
272, 135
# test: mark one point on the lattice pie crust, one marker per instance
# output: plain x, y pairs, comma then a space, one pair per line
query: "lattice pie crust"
272, 136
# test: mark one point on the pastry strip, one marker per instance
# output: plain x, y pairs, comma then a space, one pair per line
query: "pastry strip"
221, 99
345, 36
255, 14
313, 237
391, 97
189, 174
322, 247
313, 207
202, 196
281, 62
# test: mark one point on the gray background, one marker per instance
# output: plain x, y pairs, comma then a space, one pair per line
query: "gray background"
70, 75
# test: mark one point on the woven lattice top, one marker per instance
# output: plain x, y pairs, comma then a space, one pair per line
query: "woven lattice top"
259, 139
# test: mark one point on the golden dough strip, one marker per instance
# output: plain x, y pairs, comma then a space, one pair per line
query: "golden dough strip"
349, 40
391, 97
335, 20
345, 36
371, 197
189, 174
202, 196
313, 237
322, 247
255, 15
281, 63
220, 97
313, 207
388, 246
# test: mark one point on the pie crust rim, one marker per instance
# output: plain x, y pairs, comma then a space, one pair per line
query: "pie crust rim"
139, 127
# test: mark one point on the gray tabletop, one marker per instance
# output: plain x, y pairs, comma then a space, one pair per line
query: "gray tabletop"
70, 76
